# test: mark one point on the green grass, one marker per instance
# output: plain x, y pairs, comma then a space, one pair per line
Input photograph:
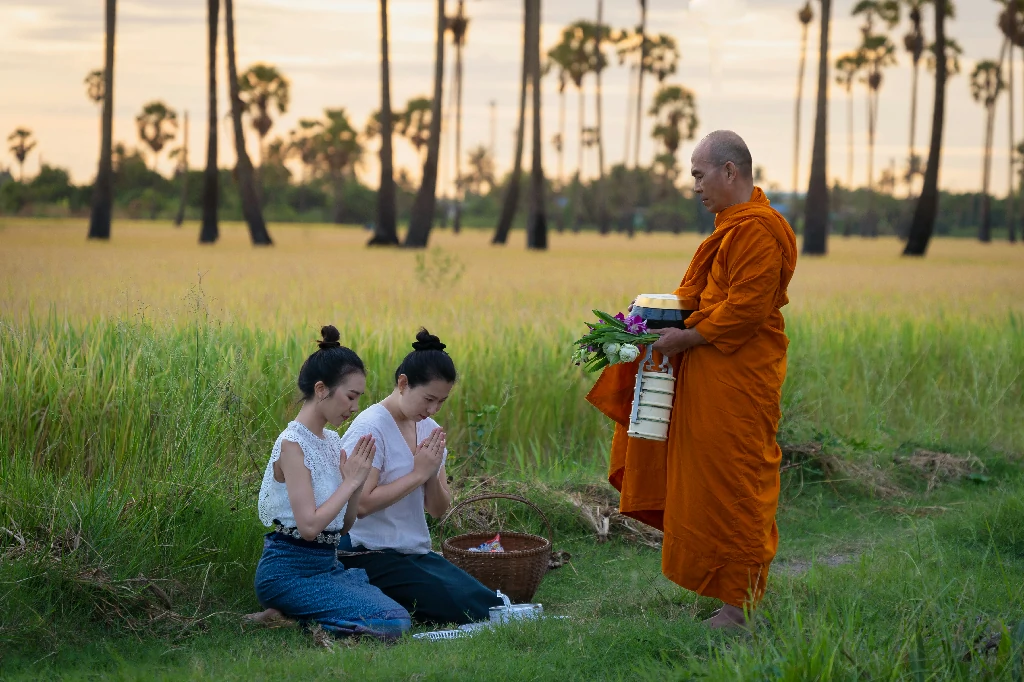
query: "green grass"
133, 451
124, 398
912, 599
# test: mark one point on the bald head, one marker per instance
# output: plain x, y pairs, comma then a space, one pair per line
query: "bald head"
723, 146
723, 171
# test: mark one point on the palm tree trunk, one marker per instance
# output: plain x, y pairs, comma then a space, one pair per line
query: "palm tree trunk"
511, 203
459, 194
536, 218
928, 203
602, 196
422, 217
1011, 199
180, 218
640, 83
338, 210
385, 232
816, 208
796, 117
631, 92
913, 126
985, 225
210, 232
869, 227
577, 189
103, 192
849, 137
561, 137
246, 182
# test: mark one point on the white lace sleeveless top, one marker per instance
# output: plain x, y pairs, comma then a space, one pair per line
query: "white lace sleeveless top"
322, 456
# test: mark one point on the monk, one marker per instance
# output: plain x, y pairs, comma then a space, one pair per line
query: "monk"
713, 487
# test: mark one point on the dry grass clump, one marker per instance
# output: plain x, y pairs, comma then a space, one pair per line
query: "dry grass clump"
862, 473
141, 605
942, 467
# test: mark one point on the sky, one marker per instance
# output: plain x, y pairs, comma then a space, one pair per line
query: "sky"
740, 58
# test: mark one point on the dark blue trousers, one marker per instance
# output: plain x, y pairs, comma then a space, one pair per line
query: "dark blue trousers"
429, 586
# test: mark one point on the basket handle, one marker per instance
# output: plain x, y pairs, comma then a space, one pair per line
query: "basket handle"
492, 496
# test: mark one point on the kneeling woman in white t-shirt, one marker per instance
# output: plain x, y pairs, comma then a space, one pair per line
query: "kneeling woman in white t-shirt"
390, 539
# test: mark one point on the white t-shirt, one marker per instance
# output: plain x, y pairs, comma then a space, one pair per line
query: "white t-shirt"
402, 526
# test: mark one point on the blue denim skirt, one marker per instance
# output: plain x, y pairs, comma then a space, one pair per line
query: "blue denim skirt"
307, 582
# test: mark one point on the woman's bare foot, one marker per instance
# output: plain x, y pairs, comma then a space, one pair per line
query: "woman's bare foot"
728, 617
271, 618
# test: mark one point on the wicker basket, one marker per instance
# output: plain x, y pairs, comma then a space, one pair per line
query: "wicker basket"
518, 570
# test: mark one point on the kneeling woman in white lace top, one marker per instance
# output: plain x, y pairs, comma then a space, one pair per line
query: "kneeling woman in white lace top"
390, 541
310, 495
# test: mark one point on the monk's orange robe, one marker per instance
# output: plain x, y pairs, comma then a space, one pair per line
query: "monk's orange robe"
713, 487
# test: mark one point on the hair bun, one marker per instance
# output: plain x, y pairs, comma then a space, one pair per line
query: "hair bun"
427, 341
331, 337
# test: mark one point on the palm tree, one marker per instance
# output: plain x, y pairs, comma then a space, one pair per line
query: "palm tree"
422, 216
103, 192
580, 60
302, 146
914, 44
602, 36
806, 16
244, 172
181, 153
481, 171
928, 202
158, 125
536, 218
415, 124
209, 232
457, 26
1011, 23
644, 47
656, 55
878, 52
675, 112
385, 231
94, 86
986, 85
261, 88
848, 67
21, 145
332, 148
511, 200
816, 208
559, 56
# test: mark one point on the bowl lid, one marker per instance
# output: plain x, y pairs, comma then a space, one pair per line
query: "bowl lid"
661, 301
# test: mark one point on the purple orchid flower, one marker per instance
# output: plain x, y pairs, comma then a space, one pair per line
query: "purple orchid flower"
620, 317
636, 325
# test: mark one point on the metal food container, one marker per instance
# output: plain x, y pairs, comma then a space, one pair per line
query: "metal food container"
654, 391
661, 310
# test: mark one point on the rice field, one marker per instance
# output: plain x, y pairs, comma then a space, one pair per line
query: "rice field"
885, 350
142, 382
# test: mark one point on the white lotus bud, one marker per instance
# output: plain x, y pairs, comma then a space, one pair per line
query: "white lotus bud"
628, 352
611, 349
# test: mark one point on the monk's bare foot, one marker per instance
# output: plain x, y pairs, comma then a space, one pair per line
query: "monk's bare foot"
271, 618
727, 618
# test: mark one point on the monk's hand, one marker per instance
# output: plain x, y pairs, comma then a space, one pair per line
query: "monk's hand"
675, 341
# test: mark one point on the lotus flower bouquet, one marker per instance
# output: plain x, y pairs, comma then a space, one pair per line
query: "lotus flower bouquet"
612, 340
